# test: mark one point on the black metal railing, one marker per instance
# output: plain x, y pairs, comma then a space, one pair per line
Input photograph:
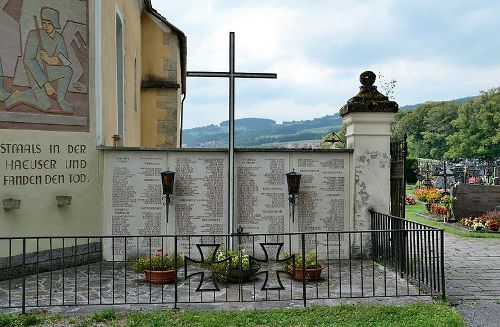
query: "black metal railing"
59, 271
414, 250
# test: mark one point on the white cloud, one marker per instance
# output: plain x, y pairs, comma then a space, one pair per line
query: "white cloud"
435, 50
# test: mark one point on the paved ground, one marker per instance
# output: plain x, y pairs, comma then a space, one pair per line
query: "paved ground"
472, 268
105, 283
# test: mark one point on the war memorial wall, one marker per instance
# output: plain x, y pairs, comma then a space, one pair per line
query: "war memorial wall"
133, 199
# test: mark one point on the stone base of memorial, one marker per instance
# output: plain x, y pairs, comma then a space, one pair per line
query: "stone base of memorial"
160, 276
309, 274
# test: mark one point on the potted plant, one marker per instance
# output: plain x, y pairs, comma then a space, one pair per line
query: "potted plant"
158, 268
235, 269
310, 271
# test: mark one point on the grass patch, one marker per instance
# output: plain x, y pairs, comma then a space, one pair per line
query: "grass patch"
31, 320
411, 214
12, 320
7, 320
344, 315
105, 315
414, 315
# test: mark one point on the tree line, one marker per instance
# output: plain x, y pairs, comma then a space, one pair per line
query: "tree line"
449, 129
453, 130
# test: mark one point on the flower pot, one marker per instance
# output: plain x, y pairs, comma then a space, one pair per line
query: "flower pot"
245, 275
160, 276
309, 273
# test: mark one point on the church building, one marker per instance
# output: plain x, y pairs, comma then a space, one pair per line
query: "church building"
77, 76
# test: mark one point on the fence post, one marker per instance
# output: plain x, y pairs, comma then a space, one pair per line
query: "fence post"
374, 242
304, 295
24, 277
443, 290
176, 271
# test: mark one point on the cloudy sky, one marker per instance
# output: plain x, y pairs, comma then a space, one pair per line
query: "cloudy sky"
435, 49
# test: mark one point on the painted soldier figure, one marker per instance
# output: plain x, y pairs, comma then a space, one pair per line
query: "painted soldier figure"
47, 66
3, 93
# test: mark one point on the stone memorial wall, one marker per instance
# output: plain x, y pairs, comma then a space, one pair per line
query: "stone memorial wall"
200, 201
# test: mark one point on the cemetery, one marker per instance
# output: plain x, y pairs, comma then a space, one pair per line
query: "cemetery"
466, 195
103, 207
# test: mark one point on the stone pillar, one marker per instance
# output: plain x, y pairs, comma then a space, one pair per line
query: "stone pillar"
368, 117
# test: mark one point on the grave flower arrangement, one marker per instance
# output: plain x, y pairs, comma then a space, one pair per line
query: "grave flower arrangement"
433, 195
409, 200
238, 267
429, 196
421, 194
438, 210
158, 268
489, 221
447, 200
310, 270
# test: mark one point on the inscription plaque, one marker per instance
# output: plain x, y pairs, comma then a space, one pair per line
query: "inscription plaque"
261, 196
323, 199
135, 206
200, 197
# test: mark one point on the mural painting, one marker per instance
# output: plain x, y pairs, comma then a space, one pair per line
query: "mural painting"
44, 65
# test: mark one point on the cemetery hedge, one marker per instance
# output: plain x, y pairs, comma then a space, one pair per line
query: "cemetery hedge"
413, 315
453, 130
411, 170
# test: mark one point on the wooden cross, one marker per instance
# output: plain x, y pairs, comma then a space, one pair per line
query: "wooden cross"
232, 75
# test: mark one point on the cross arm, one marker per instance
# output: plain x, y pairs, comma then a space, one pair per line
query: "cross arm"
207, 74
228, 74
256, 75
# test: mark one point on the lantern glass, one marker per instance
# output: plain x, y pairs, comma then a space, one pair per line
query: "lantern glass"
167, 181
293, 181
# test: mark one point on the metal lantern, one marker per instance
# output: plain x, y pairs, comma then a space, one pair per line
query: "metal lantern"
167, 181
293, 181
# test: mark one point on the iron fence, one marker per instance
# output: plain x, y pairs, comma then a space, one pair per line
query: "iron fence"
69, 271
414, 250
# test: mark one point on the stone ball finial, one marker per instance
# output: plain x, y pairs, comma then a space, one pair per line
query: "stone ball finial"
367, 78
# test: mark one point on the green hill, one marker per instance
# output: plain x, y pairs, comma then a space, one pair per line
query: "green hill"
255, 132
260, 132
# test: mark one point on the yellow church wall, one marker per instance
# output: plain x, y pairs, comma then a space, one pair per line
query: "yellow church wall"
62, 160
130, 13
38, 165
160, 105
